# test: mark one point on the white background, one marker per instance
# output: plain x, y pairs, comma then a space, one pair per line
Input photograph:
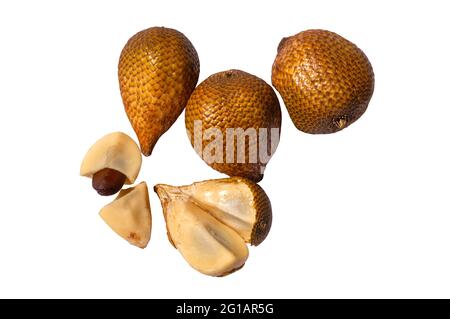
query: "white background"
361, 213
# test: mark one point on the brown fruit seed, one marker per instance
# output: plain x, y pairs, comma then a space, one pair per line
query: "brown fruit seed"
129, 215
108, 181
326, 81
235, 99
158, 70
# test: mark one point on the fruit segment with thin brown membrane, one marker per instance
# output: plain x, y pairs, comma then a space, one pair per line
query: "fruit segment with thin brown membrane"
158, 70
129, 215
326, 81
114, 160
210, 222
234, 100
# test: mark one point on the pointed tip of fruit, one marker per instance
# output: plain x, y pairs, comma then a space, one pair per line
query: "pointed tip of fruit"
146, 149
146, 143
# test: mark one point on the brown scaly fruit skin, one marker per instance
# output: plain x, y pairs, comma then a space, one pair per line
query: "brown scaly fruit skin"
234, 99
326, 81
264, 209
158, 70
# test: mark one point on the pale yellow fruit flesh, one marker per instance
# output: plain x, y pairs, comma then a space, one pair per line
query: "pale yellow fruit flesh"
129, 215
116, 151
208, 245
230, 202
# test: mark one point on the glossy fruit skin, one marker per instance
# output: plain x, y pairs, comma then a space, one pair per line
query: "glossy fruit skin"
326, 81
234, 99
158, 70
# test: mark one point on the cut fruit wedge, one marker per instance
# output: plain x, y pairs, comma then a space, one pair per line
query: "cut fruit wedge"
210, 222
208, 245
115, 151
129, 215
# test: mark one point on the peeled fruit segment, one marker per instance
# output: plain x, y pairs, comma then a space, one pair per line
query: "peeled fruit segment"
208, 246
326, 81
158, 70
116, 151
234, 109
238, 203
129, 215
